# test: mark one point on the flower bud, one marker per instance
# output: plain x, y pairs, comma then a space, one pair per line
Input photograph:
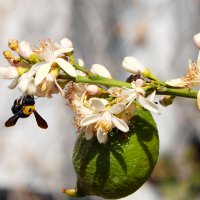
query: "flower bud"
81, 62
13, 45
65, 42
100, 70
139, 82
132, 65
8, 55
25, 50
92, 89
166, 100
196, 40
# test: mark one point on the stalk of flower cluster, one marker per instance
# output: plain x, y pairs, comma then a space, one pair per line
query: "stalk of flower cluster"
160, 87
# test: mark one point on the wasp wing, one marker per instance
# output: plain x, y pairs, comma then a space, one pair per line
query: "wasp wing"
40, 121
13, 120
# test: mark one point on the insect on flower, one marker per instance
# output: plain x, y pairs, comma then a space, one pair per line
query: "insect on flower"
23, 107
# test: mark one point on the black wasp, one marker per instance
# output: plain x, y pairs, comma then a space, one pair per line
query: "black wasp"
23, 107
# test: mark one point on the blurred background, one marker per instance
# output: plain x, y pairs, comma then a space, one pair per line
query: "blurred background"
35, 164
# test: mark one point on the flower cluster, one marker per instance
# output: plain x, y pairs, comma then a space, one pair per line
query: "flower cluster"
100, 102
99, 110
36, 71
192, 78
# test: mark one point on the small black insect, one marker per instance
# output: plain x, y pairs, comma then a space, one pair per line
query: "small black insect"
132, 78
23, 107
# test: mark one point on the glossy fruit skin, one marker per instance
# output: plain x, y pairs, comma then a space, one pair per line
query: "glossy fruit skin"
122, 165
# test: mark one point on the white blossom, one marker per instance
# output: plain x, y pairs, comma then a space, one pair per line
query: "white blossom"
103, 116
138, 94
49, 57
192, 78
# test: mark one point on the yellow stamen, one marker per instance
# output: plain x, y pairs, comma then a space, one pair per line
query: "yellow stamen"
103, 125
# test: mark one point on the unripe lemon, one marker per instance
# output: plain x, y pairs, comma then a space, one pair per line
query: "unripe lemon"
119, 167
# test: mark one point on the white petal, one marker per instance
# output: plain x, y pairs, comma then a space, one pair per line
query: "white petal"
132, 65
23, 83
107, 116
102, 137
196, 40
100, 70
120, 124
32, 89
178, 82
62, 50
89, 133
47, 55
8, 72
198, 99
36, 66
90, 119
66, 66
198, 61
149, 105
42, 72
131, 98
50, 77
65, 42
117, 108
98, 104
152, 96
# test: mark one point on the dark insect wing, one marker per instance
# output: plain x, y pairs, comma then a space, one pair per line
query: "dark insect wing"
13, 120
40, 121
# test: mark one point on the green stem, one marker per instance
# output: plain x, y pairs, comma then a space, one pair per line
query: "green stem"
181, 92
103, 81
78, 67
160, 90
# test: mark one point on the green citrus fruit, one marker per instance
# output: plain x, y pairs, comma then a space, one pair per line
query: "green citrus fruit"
119, 167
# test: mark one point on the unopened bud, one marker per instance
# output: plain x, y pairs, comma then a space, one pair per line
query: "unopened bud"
139, 82
13, 45
80, 62
100, 70
132, 65
92, 90
196, 40
8, 55
166, 100
67, 43
25, 49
